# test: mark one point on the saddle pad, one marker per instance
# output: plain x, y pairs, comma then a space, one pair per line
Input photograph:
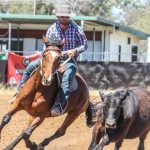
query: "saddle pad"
74, 85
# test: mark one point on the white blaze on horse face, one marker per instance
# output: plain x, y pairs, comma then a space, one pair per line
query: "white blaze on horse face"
53, 54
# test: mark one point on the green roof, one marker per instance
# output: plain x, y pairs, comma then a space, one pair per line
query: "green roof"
46, 19
133, 31
118, 26
17, 18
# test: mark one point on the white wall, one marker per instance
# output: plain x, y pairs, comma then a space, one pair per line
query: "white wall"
107, 46
40, 45
148, 50
91, 55
29, 46
121, 38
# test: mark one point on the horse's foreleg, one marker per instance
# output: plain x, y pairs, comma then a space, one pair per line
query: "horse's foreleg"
7, 116
26, 133
33, 123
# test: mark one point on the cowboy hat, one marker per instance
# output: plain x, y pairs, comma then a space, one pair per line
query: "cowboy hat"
63, 9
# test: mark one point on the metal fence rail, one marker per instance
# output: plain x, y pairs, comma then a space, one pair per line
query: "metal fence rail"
97, 56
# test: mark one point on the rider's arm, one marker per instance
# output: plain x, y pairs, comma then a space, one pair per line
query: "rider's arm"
82, 40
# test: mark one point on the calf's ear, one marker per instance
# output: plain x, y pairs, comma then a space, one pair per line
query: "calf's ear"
123, 94
102, 95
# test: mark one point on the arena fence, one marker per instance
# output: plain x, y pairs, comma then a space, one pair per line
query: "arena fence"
105, 74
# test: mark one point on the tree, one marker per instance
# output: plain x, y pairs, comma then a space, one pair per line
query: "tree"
142, 22
43, 7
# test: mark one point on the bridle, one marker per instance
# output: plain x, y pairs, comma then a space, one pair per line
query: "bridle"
49, 49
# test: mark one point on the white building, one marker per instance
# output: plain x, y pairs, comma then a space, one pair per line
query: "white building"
108, 41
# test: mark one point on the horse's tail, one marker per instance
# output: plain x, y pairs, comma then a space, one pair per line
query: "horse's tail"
92, 113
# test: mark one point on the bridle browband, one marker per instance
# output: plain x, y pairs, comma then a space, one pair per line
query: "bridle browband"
55, 48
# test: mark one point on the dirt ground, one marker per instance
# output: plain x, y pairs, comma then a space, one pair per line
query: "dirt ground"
77, 137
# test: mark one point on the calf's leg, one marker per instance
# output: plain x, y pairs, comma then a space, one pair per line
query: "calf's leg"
118, 145
141, 143
98, 133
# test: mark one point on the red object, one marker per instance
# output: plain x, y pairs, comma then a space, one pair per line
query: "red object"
17, 65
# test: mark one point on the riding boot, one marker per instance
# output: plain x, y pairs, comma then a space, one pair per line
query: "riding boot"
59, 107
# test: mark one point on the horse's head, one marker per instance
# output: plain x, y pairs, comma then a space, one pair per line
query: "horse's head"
50, 61
112, 106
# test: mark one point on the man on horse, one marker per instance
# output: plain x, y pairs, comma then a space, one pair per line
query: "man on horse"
75, 42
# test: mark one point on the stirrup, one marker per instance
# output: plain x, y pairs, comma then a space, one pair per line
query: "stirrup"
58, 109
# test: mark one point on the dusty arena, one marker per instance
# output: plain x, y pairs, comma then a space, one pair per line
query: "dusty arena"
77, 137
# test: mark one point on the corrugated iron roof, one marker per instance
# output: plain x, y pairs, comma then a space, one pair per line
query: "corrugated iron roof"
47, 19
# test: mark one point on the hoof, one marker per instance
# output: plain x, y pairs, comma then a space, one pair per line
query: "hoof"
40, 147
92, 148
7, 148
33, 146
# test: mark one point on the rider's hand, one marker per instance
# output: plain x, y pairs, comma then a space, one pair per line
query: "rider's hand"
70, 53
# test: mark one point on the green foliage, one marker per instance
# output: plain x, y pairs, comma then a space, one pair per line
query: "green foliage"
142, 22
132, 12
42, 7
17, 7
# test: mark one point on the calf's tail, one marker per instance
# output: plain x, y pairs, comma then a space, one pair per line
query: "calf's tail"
92, 113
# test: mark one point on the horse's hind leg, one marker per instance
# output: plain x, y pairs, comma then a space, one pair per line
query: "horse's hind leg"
67, 122
7, 116
61, 131
142, 139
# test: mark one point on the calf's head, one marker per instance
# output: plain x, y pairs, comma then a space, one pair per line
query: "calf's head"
112, 106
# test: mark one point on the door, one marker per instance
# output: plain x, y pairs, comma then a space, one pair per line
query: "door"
134, 56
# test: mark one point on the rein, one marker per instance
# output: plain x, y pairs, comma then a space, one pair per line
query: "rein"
55, 49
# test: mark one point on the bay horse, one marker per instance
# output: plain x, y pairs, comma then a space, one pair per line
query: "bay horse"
38, 96
124, 115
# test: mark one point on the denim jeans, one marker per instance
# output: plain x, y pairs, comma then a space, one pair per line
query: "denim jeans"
67, 77
30, 68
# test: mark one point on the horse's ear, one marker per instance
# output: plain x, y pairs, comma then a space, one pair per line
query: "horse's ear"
45, 39
102, 95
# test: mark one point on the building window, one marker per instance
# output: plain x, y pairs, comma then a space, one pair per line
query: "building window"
129, 40
119, 53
